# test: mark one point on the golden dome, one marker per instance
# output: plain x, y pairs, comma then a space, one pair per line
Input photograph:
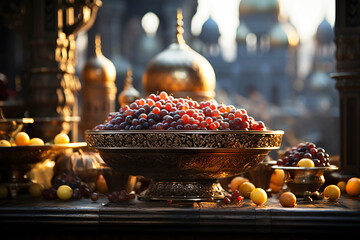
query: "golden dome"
98, 68
180, 70
283, 34
129, 94
248, 7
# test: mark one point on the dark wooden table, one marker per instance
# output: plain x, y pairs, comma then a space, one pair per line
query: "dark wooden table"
45, 219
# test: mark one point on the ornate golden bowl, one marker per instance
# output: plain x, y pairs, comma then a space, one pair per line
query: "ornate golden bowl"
16, 161
302, 179
184, 165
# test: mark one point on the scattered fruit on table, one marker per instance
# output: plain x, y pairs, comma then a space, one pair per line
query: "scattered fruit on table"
277, 180
342, 186
233, 198
101, 185
164, 112
36, 189
4, 192
353, 186
5, 143
236, 182
332, 193
258, 196
36, 141
245, 189
64, 192
121, 196
306, 162
94, 196
61, 138
287, 199
305, 150
22, 139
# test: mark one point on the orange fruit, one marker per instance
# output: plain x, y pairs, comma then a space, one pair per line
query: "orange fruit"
245, 189
277, 177
306, 162
258, 196
61, 138
287, 199
236, 182
275, 188
342, 186
36, 141
5, 143
101, 185
22, 139
353, 186
332, 193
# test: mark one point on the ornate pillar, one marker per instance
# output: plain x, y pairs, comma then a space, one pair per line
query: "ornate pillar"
48, 29
347, 40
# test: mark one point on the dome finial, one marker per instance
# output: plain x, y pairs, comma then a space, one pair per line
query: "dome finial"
98, 44
128, 78
179, 29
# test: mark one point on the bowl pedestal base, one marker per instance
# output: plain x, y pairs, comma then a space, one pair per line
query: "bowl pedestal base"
200, 190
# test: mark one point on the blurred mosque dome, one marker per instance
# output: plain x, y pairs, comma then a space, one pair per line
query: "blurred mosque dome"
241, 33
324, 33
278, 36
248, 7
320, 81
210, 32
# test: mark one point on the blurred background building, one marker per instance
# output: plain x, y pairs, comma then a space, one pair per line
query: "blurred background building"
261, 67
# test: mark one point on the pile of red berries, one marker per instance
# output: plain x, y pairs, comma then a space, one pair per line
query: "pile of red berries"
233, 198
164, 112
305, 150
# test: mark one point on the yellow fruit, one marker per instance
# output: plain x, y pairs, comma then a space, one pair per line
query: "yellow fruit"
3, 191
36, 141
332, 193
5, 143
306, 162
353, 186
236, 182
245, 189
61, 138
64, 192
35, 189
258, 196
277, 177
342, 186
287, 199
22, 139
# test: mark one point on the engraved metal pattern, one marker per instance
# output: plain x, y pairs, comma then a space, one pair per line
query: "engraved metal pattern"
195, 139
184, 165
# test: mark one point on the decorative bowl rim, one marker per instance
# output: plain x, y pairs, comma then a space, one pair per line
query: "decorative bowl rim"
331, 167
184, 131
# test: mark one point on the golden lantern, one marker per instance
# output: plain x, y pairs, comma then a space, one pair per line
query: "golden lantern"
180, 71
99, 89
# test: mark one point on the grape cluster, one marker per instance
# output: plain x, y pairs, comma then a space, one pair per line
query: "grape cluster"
164, 112
305, 150
234, 197
69, 178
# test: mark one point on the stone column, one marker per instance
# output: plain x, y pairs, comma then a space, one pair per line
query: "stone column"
347, 40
